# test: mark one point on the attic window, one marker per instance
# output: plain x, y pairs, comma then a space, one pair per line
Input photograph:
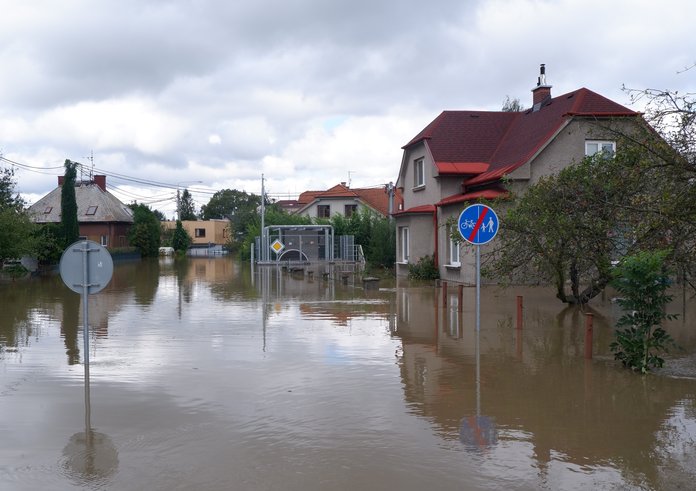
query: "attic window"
418, 173
48, 210
597, 146
92, 210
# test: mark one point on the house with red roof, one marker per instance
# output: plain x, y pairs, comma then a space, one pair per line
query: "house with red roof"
465, 156
345, 201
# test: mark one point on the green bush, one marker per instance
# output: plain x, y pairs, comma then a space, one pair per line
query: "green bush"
375, 233
424, 269
181, 240
642, 281
145, 232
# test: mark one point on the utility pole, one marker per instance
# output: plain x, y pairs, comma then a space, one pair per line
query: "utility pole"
178, 204
389, 189
263, 221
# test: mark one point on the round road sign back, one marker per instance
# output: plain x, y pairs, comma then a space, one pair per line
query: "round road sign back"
100, 266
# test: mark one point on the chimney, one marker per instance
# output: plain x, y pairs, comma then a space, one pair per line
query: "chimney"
343, 183
542, 91
100, 180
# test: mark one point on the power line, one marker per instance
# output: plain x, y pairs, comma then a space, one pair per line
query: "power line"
27, 166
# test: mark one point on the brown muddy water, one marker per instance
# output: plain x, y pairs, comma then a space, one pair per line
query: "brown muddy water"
207, 375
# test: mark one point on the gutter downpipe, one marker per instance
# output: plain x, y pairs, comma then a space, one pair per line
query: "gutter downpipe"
436, 254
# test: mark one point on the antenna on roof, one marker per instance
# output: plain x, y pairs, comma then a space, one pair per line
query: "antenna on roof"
91, 169
349, 174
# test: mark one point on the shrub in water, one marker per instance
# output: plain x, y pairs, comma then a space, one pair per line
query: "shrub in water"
642, 281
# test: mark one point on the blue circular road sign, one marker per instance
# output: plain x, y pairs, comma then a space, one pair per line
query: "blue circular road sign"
478, 224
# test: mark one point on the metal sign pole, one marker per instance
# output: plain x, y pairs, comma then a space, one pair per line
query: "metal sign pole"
478, 225
85, 333
85, 308
478, 288
86, 274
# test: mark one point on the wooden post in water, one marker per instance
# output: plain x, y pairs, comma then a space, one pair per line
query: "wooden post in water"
460, 298
520, 307
588, 336
444, 294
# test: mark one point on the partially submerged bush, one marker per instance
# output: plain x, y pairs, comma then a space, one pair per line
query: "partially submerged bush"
424, 269
642, 281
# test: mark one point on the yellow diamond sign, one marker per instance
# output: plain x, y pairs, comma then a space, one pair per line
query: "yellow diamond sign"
277, 246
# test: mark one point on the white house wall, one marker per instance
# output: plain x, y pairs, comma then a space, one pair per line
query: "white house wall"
338, 206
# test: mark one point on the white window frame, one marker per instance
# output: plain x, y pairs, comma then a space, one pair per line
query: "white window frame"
419, 173
104, 240
453, 323
404, 244
453, 250
601, 144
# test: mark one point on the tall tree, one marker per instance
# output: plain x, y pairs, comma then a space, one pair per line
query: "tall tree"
181, 240
555, 232
145, 232
16, 238
9, 198
229, 202
512, 105
68, 205
239, 207
187, 208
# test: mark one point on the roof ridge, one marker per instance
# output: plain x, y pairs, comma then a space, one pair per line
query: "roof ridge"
582, 92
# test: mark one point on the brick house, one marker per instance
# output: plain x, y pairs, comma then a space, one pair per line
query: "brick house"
101, 216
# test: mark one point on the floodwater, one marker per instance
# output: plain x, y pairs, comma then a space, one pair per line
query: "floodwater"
207, 375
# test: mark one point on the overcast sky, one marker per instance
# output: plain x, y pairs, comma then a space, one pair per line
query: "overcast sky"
307, 92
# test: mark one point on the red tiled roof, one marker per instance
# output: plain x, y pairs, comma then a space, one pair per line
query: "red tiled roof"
308, 197
461, 168
338, 191
465, 136
491, 193
417, 209
464, 142
376, 198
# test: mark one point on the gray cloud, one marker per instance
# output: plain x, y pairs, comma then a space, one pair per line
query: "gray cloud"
299, 88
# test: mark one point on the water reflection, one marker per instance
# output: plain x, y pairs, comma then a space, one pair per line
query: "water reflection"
212, 376
90, 457
536, 382
69, 327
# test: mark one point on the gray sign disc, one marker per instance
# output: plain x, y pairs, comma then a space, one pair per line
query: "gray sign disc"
100, 266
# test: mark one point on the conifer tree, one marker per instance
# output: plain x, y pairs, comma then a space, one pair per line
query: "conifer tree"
68, 205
